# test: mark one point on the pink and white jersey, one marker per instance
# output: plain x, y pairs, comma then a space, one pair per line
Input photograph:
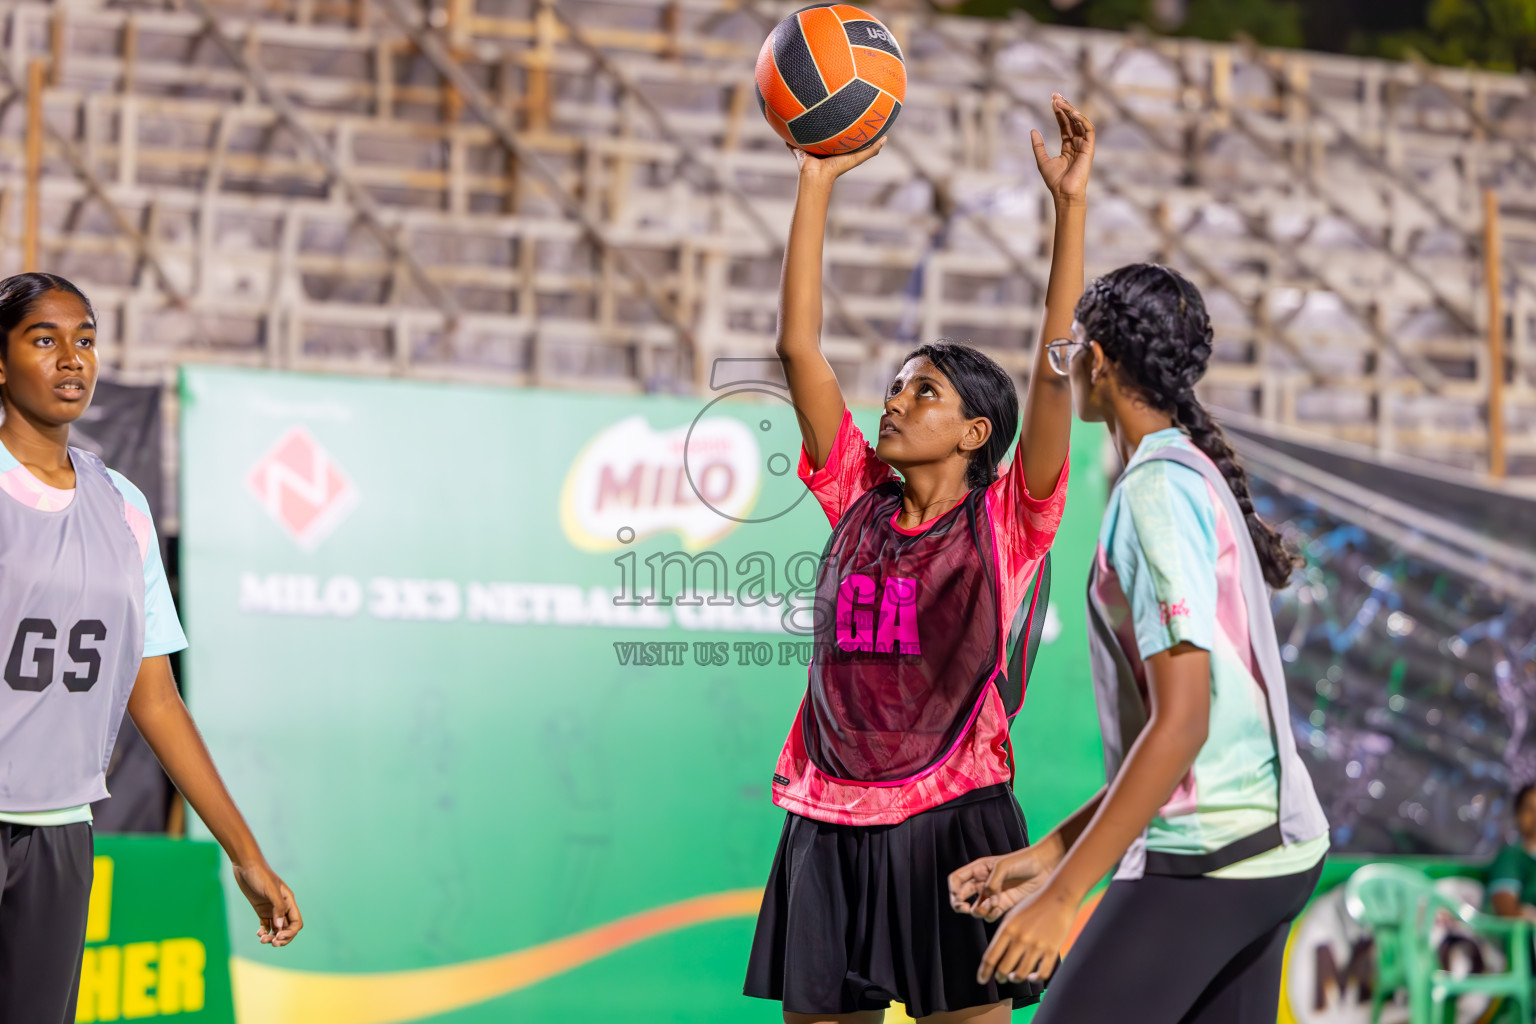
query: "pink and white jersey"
902, 709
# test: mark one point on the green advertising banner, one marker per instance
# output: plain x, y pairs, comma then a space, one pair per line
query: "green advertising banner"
156, 941
157, 944
503, 788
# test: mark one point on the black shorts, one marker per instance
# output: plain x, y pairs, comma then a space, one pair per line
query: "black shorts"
1164, 950
855, 916
45, 892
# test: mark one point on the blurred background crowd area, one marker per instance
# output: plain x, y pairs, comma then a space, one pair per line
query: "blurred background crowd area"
1495, 34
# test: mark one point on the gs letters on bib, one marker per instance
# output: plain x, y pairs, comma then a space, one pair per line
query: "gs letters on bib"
32, 647
72, 626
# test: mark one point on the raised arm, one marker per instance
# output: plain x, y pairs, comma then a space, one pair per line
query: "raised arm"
1048, 403
813, 387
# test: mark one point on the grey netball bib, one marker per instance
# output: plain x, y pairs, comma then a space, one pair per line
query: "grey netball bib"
72, 637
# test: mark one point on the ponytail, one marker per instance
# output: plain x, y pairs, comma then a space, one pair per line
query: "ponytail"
1274, 558
1153, 324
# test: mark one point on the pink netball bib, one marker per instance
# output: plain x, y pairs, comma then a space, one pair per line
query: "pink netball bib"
902, 710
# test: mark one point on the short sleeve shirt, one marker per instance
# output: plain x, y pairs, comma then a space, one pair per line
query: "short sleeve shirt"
1173, 576
162, 628
1514, 871
1023, 525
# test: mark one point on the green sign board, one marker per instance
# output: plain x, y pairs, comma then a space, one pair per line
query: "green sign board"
157, 948
438, 653
156, 942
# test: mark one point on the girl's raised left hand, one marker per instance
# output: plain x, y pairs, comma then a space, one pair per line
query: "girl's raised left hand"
1066, 174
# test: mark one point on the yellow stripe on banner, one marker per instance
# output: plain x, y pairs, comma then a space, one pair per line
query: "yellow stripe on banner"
1287, 1015
264, 993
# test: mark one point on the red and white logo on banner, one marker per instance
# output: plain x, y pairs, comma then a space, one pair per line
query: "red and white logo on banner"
301, 488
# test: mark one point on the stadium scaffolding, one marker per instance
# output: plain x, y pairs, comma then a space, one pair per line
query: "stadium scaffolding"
579, 193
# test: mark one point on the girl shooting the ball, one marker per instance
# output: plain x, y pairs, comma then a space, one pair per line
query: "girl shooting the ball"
898, 767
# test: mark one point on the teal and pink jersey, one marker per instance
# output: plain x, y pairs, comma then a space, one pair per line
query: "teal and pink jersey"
1169, 571
902, 710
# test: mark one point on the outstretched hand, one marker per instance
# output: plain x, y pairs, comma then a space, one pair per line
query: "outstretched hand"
1066, 174
829, 168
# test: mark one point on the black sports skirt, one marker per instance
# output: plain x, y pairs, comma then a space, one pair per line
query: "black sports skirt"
855, 916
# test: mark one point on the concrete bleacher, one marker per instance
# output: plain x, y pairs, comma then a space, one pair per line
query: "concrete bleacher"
595, 202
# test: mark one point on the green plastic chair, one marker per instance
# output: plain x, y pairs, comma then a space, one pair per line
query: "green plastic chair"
1399, 905
1385, 899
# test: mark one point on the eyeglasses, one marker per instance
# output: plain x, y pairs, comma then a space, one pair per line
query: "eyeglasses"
1060, 353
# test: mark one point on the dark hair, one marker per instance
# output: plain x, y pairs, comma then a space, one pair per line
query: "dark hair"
986, 391
1521, 793
1152, 323
19, 293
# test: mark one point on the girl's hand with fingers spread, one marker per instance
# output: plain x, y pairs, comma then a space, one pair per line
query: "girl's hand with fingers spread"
1066, 174
1028, 944
830, 168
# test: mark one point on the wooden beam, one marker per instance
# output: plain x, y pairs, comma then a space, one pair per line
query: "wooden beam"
736, 109
672, 25
383, 80
130, 50
36, 74
368, 209
537, 101
476, 100
1493, 271
98, 191
56, 40
460, 13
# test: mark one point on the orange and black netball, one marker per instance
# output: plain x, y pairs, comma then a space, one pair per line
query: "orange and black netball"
831, 79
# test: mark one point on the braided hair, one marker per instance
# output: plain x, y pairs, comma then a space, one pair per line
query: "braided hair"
1152, 323
986, 392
